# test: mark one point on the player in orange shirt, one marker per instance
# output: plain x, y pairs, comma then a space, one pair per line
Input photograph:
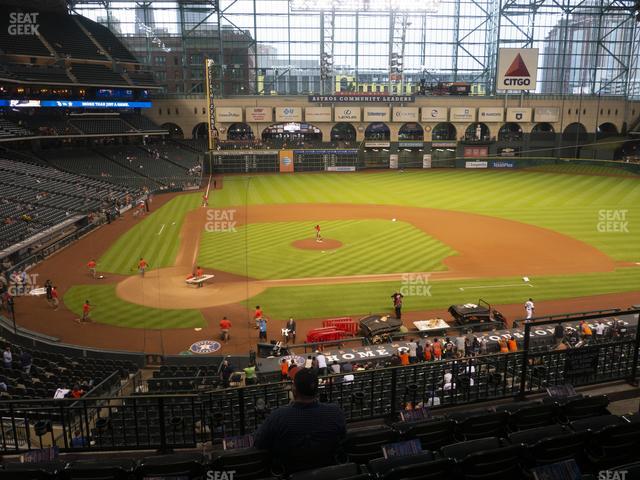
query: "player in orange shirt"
91, 265
257, 315
199, 274
142, 266
86, 310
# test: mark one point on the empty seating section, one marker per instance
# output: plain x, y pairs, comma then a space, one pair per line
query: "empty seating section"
9, 129
35, 198
141, 77
140, 122
184, 379
51, 371
184, 157
101, 126
65, 36
111, 44
92, 164
96, 74
153, 166
38, 73
28, 44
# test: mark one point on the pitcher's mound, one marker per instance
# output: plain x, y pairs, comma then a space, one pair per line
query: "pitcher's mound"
312, 244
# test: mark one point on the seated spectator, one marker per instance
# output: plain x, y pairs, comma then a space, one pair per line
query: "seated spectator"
335, 367
78, 441
306, 433
76, 391
7, 358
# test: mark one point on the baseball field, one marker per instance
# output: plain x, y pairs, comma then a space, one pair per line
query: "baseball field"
440, 237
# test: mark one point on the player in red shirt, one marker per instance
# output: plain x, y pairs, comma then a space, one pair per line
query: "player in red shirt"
86, 310
199, 274
225, 326
55, 301
257, 315
142, 266
91, 265
318, 237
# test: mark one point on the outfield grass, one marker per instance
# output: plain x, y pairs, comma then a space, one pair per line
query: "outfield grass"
567, 204
573, 169
366, 250
155, 238
111, 310
363, 298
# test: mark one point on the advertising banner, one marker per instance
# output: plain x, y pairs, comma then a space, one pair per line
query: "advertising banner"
377, 144
346, 114
228, 114
393, 161
405, 114
475, 164
361, 97
259, 114
547, 114
288, 114
463, 114
426, 160
491, 114
286, 161
476, 151
519, 115
376, 114
341, 169
434, 114
317, 114
517, 69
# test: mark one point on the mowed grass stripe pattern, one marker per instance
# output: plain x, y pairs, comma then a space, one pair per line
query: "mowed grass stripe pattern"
369, 247
111, 310
569, 204
583, 170
156, 238
325, 301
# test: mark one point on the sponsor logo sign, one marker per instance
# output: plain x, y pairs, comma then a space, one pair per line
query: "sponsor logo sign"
205, 346
259, 114
347, 114
411, 144
341, 169
490, 114
547, 114
317, 114
426, 160
519, 115
393, 161
476, 164
228, 114
444, 144
434, 114
405, 114
517, 68
463, 114
288, 114
503, 164
377, 144
376, 114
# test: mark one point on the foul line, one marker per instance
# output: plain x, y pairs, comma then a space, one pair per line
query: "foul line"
161, 229
462, 289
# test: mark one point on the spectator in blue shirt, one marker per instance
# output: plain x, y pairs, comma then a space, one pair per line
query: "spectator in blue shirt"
262, 326
305, 434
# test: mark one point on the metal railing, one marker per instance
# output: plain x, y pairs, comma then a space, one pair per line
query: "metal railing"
182, 421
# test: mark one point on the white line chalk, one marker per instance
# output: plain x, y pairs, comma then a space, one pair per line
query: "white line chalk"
161, 229
497, 286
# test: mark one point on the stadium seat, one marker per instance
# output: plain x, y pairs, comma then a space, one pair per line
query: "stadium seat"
480, 424
496, 464
186, 466
364, 444
345, 471
585, 407
532, 416
432, 434
551, 444
31, 471
380, 466
115, 469
248, 463
614, 444
596, 424
460, 450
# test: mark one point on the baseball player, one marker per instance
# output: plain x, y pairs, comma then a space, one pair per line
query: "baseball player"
318, 237
529, 308
142, 266
91, 265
